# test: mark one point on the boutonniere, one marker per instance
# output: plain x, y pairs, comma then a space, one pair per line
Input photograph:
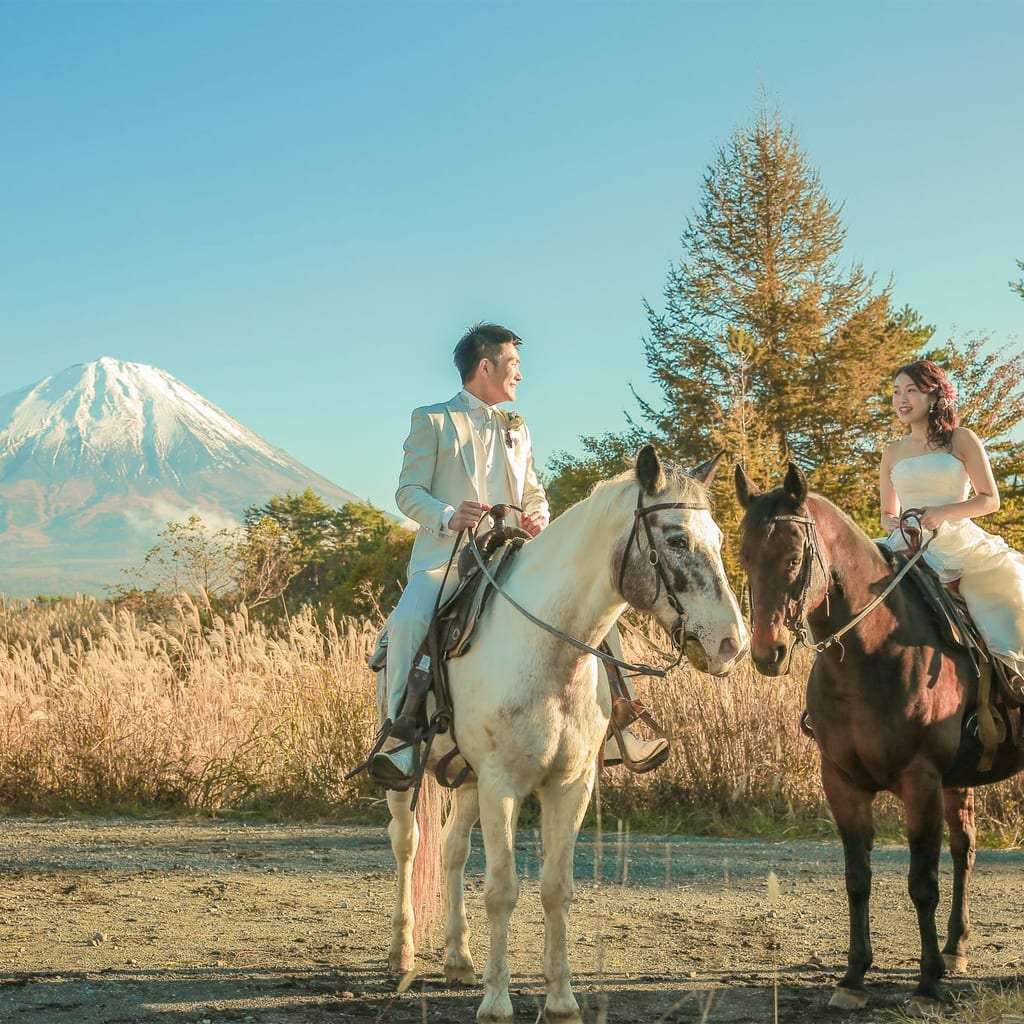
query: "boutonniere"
513, 421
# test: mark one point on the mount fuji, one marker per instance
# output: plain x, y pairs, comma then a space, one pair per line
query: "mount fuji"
97, 459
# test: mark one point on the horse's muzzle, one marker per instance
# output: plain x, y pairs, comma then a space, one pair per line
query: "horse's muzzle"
771, 662
695, 653
730, 650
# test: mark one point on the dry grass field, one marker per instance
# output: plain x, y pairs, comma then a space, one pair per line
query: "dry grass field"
200, 713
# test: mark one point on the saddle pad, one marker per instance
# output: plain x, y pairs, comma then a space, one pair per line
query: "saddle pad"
379, 658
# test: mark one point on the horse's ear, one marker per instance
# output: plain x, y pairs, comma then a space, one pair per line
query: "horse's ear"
796, 483
705, 472
649, 471
746, 489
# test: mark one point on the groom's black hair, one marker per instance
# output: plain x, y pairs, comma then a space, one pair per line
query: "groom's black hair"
481, 341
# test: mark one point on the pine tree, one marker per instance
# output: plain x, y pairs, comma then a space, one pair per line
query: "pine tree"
990, 400
766, 346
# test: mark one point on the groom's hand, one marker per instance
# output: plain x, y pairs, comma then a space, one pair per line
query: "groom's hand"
466, 516
532, 524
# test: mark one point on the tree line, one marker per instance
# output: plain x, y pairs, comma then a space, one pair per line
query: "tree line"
293, 551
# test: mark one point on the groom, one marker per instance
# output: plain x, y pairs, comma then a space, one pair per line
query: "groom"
461, 457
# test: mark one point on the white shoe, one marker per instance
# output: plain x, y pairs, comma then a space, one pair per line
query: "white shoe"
393, 769
644, 754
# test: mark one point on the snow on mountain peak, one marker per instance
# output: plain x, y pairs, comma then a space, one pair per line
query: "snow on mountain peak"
111, 411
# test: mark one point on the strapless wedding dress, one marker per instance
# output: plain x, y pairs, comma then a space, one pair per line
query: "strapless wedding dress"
991, 573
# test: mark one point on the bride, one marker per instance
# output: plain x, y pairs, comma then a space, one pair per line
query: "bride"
934, 467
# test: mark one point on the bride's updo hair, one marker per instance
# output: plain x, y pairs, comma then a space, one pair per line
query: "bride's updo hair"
942, 415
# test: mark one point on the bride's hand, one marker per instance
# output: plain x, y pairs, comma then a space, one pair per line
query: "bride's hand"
933, 518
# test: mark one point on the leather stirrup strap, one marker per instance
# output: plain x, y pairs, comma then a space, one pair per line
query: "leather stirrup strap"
441, 770
378, 744
625, 709
991, 730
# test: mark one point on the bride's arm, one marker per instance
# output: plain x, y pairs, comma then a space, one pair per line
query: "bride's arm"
890, 504
971, 452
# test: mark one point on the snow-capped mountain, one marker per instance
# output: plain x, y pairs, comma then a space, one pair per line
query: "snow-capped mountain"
97, 459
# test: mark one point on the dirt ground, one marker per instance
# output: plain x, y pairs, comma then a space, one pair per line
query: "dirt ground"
156, 921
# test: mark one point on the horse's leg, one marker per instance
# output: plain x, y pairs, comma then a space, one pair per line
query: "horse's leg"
499, 815
458, 965
404, 834
562, 810
851, 808
922, 802
959, 806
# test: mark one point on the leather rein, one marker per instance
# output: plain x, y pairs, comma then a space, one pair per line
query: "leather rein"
678, 632
794, 618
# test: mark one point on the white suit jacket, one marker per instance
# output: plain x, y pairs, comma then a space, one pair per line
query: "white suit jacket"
439, 472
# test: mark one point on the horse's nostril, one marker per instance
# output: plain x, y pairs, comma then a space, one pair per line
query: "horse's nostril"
778, 653
728, 648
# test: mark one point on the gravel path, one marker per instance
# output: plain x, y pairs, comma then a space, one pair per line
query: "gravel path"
166, 921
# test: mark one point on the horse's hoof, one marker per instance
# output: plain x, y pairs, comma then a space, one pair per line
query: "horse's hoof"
956, 963
401, 963
848, 998
459, 974
923, 1006
562, 1018
495, 1009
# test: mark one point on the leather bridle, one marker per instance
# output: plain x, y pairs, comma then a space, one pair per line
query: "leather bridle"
794, 618
678, 631
640, 515
793, 614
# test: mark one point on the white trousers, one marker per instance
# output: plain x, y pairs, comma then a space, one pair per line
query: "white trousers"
407, 627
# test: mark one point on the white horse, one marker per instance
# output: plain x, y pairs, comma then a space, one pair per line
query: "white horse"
531, 710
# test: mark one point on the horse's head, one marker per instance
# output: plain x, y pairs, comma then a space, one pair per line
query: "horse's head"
670, 564
780, 554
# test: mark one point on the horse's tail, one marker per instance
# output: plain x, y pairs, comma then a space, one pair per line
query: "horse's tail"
432, 805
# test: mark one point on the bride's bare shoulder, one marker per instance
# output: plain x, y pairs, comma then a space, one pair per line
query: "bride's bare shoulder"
894, 450
964, 441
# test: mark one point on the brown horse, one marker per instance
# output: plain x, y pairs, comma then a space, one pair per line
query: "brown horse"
885, 704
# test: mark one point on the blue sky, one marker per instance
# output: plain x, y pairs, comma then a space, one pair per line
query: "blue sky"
297, 208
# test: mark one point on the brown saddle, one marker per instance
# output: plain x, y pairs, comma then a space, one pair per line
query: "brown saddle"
455, 620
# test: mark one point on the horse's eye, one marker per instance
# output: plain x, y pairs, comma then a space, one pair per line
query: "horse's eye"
793, 563
678, 542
